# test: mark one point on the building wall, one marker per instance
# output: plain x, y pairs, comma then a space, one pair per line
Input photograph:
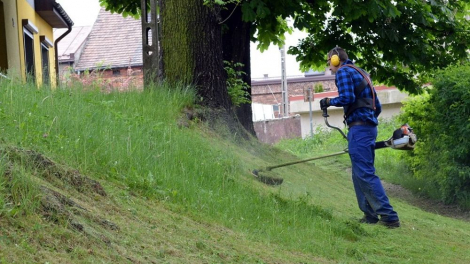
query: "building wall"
124, 78
27, 11
269, 92
117, 79
10, 24
272, 131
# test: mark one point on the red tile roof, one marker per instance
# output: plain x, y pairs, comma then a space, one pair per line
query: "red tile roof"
114, 42
71, 43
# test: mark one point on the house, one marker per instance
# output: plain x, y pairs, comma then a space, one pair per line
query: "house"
114, 49
266, 93
70, 47
26, 34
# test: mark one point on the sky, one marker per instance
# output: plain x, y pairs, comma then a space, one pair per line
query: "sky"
84, 13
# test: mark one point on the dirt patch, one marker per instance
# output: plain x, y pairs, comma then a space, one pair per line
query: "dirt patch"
428, 205
52, 171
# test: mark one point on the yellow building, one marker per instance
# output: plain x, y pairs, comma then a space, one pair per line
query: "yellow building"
26, 38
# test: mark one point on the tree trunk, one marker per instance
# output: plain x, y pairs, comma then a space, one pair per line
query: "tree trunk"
236, 45
192, 50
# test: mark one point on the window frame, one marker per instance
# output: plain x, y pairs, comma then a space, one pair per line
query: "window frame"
30, 66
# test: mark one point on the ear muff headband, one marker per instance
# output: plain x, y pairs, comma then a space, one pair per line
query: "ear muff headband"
335, 58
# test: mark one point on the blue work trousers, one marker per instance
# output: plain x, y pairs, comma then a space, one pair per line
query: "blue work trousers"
370, 193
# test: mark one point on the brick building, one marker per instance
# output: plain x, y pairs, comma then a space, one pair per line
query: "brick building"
268, 92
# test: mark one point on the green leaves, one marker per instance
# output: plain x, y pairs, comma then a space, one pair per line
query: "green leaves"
237, 88
254, 9
441, 119
400, 42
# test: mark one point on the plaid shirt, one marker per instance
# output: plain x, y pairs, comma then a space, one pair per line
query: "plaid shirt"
346, 79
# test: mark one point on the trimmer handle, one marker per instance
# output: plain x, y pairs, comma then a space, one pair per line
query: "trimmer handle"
325, 116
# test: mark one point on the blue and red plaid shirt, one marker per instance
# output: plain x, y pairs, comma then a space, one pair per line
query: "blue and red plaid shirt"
346, 79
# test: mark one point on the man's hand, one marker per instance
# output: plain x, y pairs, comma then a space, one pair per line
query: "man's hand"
324, 103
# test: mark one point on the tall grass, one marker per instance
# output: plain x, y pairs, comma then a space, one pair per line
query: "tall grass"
133, 138
133, 144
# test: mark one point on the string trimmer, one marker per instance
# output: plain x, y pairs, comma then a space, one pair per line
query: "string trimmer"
403, 139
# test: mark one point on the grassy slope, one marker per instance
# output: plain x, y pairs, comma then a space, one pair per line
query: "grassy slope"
182, 195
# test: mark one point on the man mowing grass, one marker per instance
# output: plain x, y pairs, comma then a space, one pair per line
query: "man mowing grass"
361, 109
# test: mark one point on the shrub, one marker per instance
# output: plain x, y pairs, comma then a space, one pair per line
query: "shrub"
237, 88
318, 88
441, 121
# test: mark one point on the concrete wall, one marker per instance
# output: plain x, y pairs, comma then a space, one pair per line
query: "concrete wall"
271, 131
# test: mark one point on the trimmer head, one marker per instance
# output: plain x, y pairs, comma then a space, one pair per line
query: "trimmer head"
267, 179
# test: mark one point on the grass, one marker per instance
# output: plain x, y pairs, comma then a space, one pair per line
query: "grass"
181, 194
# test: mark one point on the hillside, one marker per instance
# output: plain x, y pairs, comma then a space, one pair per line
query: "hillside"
127, 178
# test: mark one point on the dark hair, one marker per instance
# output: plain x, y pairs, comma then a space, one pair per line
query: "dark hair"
343, 56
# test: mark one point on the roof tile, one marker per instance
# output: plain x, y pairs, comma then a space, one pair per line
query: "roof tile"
114, 42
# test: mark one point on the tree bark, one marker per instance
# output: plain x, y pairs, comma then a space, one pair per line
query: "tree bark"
192, 50
236, 48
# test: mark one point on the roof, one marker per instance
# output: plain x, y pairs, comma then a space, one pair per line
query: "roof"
71, 43
114, 42
53, 13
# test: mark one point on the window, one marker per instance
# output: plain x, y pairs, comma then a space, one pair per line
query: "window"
45, 45
28, 43
29, 55
45, 64
116, 72
3, 41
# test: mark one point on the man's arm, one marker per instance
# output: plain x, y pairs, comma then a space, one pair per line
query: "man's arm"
345, 86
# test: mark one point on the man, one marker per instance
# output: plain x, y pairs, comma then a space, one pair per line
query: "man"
361, 110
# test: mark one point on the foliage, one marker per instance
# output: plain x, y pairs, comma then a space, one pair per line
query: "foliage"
399, 42
125, 7
441, 120
237, 88
318, 88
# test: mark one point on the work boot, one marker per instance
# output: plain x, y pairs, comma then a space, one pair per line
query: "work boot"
391, 224
368, 220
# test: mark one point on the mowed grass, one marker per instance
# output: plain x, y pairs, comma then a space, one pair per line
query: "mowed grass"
184, 193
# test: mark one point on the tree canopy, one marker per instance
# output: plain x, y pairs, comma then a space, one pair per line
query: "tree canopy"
399, 42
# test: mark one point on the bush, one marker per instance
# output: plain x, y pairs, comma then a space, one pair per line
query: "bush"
237, 88
440, 118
